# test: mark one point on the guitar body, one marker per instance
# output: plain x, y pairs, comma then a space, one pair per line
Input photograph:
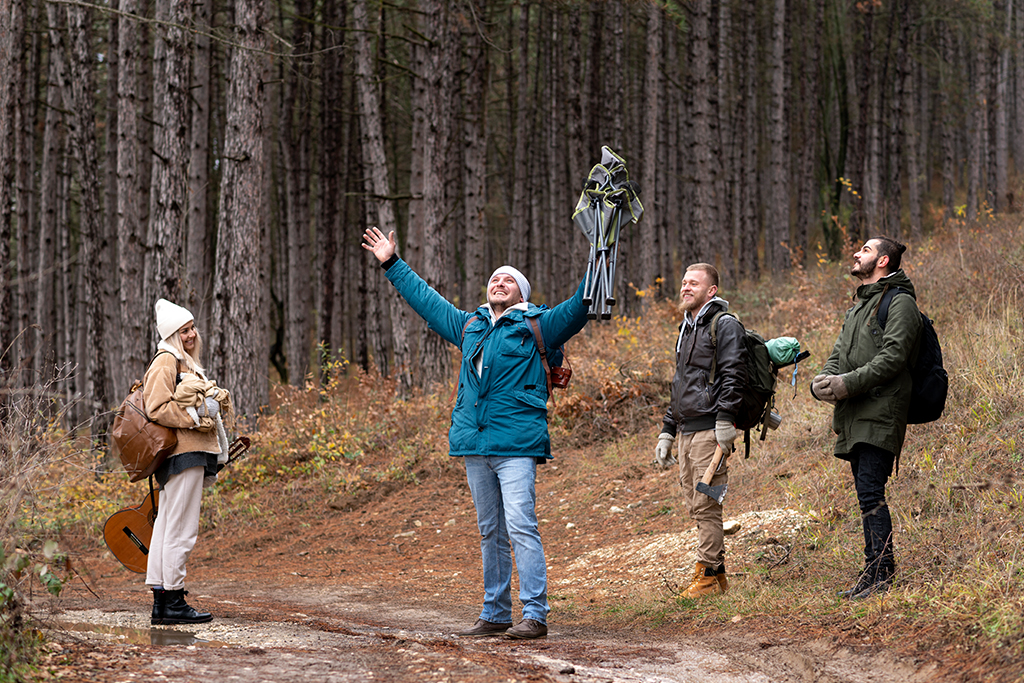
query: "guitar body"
129, 532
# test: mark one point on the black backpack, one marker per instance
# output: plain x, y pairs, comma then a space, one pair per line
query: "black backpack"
758, 397
931, 382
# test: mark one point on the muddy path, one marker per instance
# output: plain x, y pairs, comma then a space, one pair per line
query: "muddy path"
376, 592
287, 634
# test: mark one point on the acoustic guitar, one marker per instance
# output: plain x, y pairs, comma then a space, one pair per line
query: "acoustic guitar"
129, 532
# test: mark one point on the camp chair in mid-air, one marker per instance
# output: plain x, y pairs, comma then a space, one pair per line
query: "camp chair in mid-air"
608, 202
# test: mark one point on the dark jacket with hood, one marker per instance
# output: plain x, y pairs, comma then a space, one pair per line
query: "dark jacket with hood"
696, 401
874, 364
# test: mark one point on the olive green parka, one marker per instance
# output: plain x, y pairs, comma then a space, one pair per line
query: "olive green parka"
875, 364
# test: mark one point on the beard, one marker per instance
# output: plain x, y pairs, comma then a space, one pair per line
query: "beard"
691, 306
864, 269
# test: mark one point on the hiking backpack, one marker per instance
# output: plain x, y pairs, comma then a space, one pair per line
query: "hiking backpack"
758, 396
930, 380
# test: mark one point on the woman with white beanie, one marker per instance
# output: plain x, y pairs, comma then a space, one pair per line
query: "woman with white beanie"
201, 451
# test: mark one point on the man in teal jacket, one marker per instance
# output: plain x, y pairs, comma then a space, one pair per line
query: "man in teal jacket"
867, 379
499, 424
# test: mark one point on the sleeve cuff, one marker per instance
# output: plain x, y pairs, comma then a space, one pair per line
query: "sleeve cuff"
390, 262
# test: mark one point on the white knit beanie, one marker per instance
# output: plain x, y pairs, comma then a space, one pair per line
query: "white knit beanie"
170, 318
524, 284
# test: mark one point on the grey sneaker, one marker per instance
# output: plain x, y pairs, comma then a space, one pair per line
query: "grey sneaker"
528, 629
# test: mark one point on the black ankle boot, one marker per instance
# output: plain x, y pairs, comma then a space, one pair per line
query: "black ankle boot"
159, 597
177, 611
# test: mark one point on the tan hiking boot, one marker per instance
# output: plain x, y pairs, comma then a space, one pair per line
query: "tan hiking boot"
723, 582
704, 582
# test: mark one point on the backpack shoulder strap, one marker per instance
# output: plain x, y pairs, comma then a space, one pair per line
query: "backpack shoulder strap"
882, 314
466, 326
714, 341
461, 339
539, 339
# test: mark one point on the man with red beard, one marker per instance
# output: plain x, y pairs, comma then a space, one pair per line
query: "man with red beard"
706, 395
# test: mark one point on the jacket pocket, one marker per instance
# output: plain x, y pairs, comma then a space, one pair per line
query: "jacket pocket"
532, 400
516, 344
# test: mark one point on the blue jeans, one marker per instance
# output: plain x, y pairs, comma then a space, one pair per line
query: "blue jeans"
505, 499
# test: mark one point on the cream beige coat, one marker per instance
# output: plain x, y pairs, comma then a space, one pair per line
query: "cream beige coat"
158, 394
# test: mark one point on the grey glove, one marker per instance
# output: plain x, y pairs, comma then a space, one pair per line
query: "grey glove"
820, 389
209, 408
829, 388
663, 451
725, 434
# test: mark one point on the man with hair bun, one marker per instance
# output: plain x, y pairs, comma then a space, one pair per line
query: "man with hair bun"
867, 380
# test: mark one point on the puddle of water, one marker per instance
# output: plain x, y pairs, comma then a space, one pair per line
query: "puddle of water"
144, 636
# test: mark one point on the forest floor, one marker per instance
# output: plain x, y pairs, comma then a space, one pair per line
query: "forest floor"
375, 589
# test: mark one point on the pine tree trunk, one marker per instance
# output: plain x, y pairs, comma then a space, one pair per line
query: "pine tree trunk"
700, 224
136, 311
1018, 80
1001, 107
777, 236
891, 97
239, 344
49, 208
750, 227
910, 124
10, 39
74, 68
379, 209
518, 229
576, 147
27, 84
435, 357
649, 244
976, 134
329, 222
945, 115
860, 162
475, 160
165, 263
117, 380
295, 131
199, 236
809, 205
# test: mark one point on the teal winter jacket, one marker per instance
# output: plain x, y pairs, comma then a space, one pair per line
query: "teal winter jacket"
502, 411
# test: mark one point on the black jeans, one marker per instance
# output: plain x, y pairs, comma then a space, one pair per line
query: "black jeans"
872, 467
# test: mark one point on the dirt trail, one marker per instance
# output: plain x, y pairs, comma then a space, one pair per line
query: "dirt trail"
375, 592
288, 634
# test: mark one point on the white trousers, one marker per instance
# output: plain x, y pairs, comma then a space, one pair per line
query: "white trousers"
175, 529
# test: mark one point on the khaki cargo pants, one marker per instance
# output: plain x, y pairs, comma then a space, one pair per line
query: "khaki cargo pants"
696, 452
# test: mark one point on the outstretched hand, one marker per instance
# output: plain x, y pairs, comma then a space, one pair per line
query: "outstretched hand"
382, 247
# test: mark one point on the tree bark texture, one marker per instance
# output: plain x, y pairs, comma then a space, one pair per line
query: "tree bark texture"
165, 262
379, 209
10, 39
239, 345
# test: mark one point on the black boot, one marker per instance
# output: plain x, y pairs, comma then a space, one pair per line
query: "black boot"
177, 611
879, 559
159, 598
